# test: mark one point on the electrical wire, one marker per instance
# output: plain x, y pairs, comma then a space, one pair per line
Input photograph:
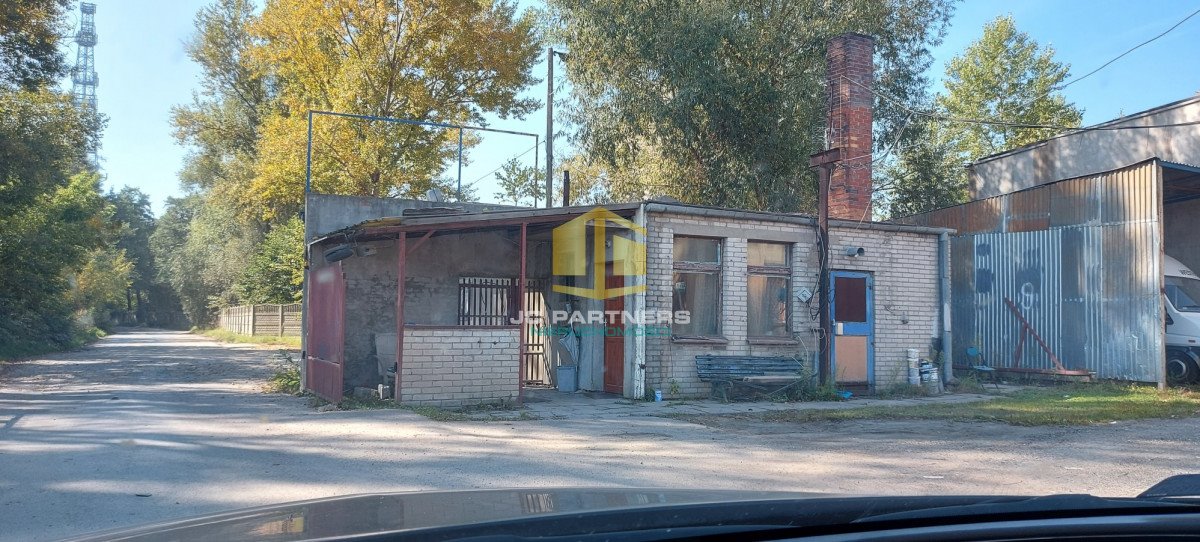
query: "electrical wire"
1114, 59
489, 174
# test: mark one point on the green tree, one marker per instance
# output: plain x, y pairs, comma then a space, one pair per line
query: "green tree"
275, 273
722, 102
41, 246
101, 285
1003, 76
30, 36
202, 248
520, 184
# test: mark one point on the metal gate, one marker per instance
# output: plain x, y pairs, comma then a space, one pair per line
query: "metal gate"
326, 332
535, 367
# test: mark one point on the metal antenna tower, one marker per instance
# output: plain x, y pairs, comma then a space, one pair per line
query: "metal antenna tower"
83, 75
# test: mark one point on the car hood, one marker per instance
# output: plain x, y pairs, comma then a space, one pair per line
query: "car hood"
400, 512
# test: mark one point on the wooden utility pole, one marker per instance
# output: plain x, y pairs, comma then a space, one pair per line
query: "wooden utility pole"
824, 162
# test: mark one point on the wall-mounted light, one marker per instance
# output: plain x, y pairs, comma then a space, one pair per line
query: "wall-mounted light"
855, 252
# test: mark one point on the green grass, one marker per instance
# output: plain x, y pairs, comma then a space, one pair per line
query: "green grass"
285, 380
28, 349
229, 337
1078, 404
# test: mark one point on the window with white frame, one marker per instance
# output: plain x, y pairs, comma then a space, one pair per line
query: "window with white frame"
768, 284
696, 284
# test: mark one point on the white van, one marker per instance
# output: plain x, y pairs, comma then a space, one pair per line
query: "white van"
1183, 322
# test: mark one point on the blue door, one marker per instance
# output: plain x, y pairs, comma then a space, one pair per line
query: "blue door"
852, 313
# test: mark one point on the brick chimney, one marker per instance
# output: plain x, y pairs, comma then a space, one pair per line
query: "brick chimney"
851, 74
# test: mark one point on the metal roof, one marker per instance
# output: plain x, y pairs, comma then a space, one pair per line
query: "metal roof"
1119, 120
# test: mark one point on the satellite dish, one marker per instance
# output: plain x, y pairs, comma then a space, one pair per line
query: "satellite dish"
435, 195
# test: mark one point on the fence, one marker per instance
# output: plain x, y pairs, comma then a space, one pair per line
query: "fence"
273, 320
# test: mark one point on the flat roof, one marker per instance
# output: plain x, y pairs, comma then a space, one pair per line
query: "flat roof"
512, 217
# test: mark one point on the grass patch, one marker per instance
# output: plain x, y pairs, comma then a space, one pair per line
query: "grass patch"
77, 338
1077, 404
285, 380
901, 391
229, 337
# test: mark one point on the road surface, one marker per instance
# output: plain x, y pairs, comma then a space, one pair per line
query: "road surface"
151, 425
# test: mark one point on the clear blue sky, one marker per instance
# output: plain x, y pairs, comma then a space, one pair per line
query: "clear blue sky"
144, 72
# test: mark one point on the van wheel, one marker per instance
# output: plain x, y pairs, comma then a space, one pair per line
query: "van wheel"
1183, 367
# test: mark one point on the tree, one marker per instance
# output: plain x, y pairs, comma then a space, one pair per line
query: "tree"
43, 243
102, 283
222, 124
520, 184
447, 61
1004, 76
202, 249
30, 35
722, 102
275, 273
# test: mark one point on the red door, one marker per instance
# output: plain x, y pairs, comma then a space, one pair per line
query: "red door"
614, 337
326, 332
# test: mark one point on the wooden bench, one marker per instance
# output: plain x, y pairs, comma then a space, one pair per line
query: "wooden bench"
765, 374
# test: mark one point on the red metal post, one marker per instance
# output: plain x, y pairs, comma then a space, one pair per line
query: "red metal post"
521, 308
401, 253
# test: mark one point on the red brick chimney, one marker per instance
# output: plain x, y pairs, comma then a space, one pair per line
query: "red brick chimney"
851, 75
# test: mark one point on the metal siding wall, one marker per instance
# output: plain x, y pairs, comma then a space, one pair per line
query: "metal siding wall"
1024, 267
1087, 276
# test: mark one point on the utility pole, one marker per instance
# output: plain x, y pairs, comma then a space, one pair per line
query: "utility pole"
550, 53
549, 127
824, 162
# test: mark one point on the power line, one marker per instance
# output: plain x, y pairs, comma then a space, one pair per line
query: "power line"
1114, 59
502, 166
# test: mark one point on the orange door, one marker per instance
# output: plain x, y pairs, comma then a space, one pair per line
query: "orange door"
614, 338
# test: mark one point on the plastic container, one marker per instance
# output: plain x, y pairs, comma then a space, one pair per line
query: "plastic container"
657, 396
567, 375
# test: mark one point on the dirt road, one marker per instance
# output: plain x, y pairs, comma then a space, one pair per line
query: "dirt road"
151, 425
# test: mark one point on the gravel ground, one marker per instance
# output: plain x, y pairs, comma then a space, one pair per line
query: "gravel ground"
150, 425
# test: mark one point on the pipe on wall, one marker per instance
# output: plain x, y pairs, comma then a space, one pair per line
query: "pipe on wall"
944, 307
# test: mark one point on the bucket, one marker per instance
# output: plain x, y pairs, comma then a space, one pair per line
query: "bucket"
566, 378
933, 386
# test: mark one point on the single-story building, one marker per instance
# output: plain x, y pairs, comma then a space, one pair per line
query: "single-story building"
745, 279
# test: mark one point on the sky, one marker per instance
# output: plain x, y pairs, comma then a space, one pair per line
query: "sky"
144, 71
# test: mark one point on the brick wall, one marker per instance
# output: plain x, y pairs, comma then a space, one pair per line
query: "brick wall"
906, 292
904, 266
851, 75
459, 366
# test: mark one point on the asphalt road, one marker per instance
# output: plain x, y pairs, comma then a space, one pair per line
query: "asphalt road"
152, 425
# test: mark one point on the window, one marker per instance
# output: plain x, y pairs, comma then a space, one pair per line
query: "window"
485, 301
697, 286
768, 279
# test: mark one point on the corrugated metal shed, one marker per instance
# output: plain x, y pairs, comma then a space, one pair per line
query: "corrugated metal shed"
1080, 258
